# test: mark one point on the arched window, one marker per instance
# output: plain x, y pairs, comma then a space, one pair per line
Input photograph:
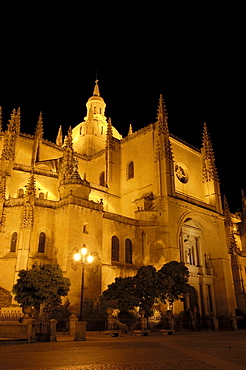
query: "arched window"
13, 242
102, 179
115, 249
41, 242
128, 251
21, 193
130, 170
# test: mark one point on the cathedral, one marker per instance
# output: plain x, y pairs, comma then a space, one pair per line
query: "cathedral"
145, 199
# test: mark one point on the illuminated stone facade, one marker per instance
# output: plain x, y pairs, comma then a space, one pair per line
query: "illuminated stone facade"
148, 198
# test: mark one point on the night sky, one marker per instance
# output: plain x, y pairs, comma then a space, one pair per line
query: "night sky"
50, 60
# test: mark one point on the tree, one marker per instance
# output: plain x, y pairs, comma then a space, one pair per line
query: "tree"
140, 290
122, 291
169, 283
146, 287
174, 278
41, 284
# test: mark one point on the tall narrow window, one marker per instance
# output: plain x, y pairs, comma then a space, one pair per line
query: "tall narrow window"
130, 170
197, 252
102, 179
128, 251
85, 228
115, 250
209, 298
41, 242
143, 242
13, 242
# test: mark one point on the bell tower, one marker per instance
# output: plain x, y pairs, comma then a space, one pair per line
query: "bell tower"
95, 107
90, 135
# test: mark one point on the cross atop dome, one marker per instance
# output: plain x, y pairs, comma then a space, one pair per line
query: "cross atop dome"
96, 89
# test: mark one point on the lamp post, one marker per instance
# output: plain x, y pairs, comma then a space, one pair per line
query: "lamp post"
85, 259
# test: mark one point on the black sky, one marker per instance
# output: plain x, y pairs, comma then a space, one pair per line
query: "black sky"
193, 56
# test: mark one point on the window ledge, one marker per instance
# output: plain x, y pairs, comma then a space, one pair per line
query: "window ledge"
10, 255
41, 255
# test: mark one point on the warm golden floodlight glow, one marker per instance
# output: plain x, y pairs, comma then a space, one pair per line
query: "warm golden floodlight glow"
90, 259
83, 251
77, 256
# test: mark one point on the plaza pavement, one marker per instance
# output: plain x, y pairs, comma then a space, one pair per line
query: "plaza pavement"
185, 350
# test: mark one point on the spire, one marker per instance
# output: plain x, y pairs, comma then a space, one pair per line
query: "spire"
11, 124
110, 140
39, 127
96, 89
69, 139
14, 122
17, 121
162, 117
130, 132
164, 155
67, 165
163, 131
31, 186
227, 213
8, 151
37, 140
59, 137
244, 211
209, 167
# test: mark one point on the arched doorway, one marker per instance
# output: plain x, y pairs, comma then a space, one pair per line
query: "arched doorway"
193, 298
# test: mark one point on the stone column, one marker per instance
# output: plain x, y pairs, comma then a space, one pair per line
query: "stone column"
53, 323
80, 330
213, 299
72, 321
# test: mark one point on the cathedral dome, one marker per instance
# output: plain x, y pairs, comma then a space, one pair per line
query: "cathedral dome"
96, 97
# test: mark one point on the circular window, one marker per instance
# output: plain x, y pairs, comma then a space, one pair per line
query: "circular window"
181, 172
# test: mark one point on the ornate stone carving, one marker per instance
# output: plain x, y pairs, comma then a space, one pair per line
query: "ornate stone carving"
2, 187
2, 221
8, 151
209, 169
31, 187
27, 216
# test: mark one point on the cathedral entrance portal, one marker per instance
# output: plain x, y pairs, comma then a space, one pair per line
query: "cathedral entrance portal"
193, 297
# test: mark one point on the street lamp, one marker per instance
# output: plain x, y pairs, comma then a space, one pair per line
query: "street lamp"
85, 259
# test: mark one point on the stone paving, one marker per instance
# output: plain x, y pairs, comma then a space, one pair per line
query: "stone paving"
201, 350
